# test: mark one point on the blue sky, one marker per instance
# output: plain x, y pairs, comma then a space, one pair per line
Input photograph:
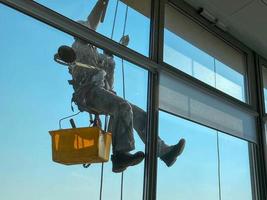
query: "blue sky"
35, 95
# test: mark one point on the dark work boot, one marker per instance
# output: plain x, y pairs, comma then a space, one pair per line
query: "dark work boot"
120, 161
170, 157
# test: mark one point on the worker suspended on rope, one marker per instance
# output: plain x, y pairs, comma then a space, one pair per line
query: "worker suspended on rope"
93, 77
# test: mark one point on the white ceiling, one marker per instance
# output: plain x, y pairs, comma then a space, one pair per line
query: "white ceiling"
246, 20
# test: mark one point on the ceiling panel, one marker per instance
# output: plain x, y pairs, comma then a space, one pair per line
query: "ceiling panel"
226, 7
245, 20
250, 25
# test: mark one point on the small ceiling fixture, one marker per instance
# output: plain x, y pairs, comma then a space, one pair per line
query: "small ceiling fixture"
207, 15
212, 19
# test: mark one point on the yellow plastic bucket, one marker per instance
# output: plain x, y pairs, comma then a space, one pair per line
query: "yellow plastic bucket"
80, 145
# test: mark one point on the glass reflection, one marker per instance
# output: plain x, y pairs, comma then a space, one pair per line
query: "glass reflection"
190, 59
121, 18
195, 172
208, 169
235, 168
36, 95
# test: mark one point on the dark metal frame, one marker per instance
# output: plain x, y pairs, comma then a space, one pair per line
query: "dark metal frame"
261, 150
150, 178
154, 64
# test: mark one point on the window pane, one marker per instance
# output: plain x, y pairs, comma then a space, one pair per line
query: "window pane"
229, 80
235, 169
35, 95
195, 172
178, 97
136, 94
213, 165
136, 15
195, 51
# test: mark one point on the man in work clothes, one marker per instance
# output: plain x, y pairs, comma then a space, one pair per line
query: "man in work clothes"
93, 77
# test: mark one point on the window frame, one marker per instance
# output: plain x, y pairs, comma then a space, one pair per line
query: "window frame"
192, 14
154, 64
260, 156
262, 65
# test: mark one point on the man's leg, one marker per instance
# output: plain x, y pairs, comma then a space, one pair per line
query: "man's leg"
105, 102
167, 153
139, 123
97, 14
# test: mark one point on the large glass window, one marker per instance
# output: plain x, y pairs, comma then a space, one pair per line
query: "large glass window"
178, 97
197, 52
194, 174
35, 95
213, 165
121, 18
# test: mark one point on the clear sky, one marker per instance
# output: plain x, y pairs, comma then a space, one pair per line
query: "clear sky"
35, 95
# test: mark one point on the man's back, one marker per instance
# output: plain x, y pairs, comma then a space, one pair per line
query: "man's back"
87, 54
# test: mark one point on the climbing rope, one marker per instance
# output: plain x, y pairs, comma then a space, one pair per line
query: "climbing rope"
114, 19
106, 116
101, 181
124, 95
123, 84
219, 165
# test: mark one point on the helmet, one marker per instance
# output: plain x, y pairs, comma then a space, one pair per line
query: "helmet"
66, 53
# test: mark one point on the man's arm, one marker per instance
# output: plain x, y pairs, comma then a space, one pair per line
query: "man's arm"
97, 14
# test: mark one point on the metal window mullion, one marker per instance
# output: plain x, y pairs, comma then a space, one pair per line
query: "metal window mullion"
251, 89
161, 21
259, 151
253, 171
150, 178
150, 182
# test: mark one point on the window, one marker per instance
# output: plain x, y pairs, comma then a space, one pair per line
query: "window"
212, 127
35, 95
178, 97
213, 165
221, 134
119, 15
195, 51
235, 177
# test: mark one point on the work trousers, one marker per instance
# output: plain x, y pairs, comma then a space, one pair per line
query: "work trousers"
124, 117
